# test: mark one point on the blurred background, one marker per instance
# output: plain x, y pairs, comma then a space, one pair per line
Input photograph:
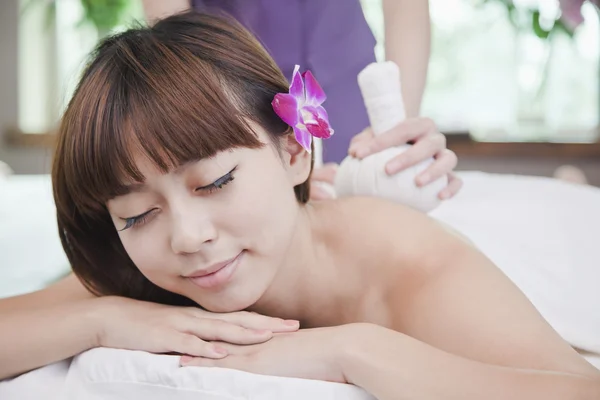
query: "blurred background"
514, 84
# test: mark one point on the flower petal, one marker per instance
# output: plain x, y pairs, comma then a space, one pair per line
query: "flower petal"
297, 86
303, 137
286, 106
322, 113
315, 95
318, 126
315, 113
320, 130
316, 121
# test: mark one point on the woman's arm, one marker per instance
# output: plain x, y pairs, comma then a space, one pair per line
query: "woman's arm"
67, 290
39, 337
43, 327
64, 320
391, 366
407, 43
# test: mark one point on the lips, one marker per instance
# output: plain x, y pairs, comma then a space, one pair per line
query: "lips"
217, 274
212, 269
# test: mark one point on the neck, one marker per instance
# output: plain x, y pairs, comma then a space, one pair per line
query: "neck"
306, 286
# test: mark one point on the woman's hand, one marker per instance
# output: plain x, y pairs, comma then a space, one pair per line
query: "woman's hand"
426, 142
137, 325
307, 354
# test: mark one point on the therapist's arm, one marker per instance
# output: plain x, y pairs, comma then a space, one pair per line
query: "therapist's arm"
157, 9
408, 43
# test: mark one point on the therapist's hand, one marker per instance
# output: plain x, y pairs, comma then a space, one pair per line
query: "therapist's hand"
322, 181
426, 142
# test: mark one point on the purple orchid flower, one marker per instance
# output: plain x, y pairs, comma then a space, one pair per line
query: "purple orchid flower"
571, 11
301, 108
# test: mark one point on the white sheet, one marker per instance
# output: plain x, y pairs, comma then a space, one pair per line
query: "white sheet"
46, 383
544, 234
31, 255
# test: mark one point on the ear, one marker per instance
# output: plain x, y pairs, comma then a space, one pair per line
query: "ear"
298, 160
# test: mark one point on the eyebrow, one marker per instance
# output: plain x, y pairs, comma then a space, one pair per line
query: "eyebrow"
140, 187
132, 188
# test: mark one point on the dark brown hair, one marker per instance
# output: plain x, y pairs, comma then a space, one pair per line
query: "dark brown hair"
178, 91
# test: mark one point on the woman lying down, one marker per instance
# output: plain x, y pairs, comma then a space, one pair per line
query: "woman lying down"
182, 204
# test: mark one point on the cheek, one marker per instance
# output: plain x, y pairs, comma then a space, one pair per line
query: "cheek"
146, 253
264, 212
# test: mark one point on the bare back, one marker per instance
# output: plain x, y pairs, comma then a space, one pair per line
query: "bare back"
420, 278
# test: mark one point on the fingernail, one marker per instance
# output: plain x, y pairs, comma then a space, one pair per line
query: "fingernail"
291, 322
219, 351
424, 179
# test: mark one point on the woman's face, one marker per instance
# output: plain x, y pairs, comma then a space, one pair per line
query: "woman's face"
217, 230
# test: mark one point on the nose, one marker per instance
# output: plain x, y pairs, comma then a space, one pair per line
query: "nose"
191, 232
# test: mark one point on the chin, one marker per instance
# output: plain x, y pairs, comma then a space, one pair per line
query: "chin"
226, 305
246, 288
233, 299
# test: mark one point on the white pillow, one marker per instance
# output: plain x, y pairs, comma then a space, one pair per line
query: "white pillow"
111, 374
31, 255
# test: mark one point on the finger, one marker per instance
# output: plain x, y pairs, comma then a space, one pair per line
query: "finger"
420, 151
444, 163
194, 346
407, 131
232, 351
359, 141
325, 174
231, 362
238, 357
216, 329
454, 185
366, 133
257, 321
189, 361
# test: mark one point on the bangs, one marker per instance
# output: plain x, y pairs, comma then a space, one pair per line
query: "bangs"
153, 99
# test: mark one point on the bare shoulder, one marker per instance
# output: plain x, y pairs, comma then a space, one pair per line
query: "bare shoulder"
390, 251
391, 246
403, 232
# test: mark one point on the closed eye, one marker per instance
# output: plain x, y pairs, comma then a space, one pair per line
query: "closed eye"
216, 185
219, 183
137, 220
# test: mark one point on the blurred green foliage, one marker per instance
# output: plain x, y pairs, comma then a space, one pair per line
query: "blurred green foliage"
531, 19
104, 15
